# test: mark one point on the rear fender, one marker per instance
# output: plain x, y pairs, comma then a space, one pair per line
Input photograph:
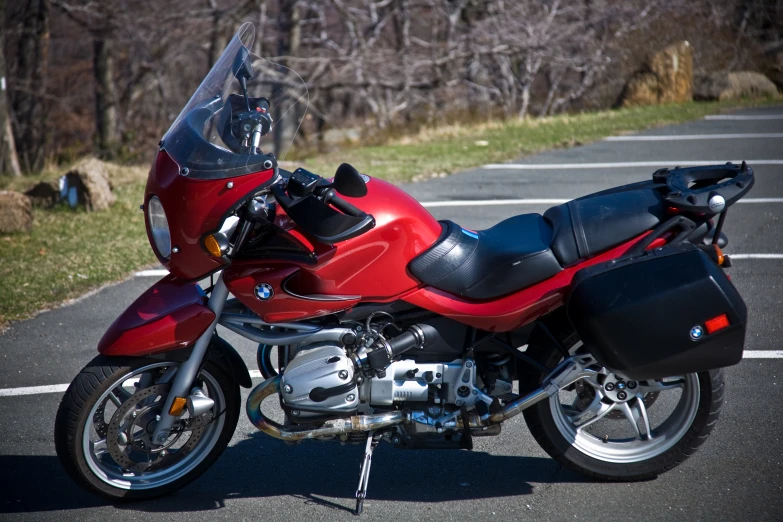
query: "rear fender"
171, 314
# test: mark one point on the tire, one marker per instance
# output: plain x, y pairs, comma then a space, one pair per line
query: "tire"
701, 396
80, 418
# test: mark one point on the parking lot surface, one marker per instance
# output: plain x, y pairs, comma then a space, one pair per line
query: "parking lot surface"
736, 475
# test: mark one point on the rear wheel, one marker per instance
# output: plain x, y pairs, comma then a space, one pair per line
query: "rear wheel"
106, 418
609, 428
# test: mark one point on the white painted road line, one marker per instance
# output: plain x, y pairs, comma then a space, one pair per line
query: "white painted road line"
59, 388
763, 354
620, 165
755, 256
533, 201
152, 273
33, 390
745, 117
690, 137
491, 202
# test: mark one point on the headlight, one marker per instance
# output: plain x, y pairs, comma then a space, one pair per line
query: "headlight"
159, 226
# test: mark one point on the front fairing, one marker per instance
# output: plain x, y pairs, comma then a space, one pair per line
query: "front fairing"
204, 170
195, 207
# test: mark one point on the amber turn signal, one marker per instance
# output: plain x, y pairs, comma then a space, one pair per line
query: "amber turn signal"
216, 244
178, 406
719, 253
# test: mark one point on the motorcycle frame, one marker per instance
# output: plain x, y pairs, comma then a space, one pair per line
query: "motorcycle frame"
528, 305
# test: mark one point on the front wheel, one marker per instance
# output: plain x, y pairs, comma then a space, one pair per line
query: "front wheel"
106, 418
609, 428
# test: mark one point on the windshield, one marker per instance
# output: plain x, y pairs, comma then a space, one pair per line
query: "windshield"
223, 133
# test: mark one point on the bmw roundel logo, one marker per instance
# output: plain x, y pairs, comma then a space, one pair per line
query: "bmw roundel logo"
264, 291
697, 333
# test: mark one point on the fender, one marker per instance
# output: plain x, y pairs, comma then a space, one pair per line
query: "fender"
171, 314
219, 353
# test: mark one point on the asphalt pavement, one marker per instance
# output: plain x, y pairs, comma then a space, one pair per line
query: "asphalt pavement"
736, 475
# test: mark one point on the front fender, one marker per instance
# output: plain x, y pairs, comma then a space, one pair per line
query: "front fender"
171, 314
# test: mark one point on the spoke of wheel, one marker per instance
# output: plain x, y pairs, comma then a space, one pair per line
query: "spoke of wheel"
659, 386
593, 381
603, 412
643, 412
628, 412
594, 407
98, 447
113, 398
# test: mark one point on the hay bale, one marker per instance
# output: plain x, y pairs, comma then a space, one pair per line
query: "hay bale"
88, 184
665, 77
730, 86
16, 212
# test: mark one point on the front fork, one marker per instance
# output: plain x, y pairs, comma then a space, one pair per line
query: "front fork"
189, 369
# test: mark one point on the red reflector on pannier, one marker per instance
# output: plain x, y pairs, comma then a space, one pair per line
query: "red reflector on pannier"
716, 323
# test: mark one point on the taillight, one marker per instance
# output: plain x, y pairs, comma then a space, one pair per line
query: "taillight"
716, 324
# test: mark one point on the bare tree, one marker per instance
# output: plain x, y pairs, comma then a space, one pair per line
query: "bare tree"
9, 163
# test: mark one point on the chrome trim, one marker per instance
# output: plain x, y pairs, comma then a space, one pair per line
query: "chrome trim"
316, 297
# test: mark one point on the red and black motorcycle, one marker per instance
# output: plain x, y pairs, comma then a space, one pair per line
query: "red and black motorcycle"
606, 321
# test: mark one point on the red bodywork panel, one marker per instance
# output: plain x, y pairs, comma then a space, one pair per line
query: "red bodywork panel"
370, 267
172, 314
194, 207
515, 310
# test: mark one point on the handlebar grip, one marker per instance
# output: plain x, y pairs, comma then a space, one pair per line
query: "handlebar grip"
342, 205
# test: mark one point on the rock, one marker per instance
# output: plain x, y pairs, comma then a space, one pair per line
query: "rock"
45, 194
666, 77
16, 212
88, 184
733, 85
774, 69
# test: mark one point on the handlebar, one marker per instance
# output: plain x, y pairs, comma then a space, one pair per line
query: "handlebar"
331, 197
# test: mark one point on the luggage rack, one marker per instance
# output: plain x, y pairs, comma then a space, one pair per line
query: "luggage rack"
704, 191
694, 189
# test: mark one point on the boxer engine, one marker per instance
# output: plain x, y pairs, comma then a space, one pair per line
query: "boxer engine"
328, 380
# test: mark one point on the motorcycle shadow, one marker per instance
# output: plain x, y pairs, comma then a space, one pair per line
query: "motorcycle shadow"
323, 474
326, 474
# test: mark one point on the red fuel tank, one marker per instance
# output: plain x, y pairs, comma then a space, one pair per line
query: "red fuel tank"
370, 267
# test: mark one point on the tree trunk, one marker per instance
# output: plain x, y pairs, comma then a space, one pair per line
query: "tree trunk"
28, 99
217, 40
9, 163
290, 39
105, 96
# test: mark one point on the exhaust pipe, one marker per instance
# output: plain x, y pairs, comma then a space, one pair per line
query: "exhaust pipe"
569, 371
331, 428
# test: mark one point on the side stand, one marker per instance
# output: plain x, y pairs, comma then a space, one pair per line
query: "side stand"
364, 472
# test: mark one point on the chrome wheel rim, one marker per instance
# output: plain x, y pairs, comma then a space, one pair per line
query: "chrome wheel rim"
593, 419
180, 455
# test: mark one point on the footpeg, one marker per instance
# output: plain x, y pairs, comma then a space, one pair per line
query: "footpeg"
364, 472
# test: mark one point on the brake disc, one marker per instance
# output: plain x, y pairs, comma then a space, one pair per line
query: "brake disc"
129, 433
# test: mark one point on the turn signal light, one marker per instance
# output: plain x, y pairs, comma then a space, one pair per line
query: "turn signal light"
178, 406
716, 323
216, 244
719, 253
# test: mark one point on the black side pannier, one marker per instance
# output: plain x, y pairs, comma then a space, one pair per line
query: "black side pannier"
665, 313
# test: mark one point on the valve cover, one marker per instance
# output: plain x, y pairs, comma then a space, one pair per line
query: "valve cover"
319, 381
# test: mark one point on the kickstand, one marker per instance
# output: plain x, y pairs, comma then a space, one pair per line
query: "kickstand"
364, 472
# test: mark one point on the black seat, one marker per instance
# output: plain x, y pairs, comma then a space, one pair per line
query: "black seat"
489, 263
591, 224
